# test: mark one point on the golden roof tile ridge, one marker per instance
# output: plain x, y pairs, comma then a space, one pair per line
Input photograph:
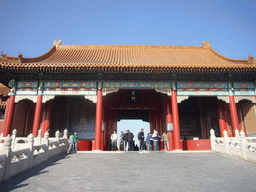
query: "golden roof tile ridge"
127, 47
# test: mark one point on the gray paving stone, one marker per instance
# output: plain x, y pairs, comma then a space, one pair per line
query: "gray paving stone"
156, 171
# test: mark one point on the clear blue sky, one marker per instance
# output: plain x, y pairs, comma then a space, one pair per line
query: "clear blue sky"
31, 26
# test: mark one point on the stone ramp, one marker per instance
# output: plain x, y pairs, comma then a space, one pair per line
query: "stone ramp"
134, 171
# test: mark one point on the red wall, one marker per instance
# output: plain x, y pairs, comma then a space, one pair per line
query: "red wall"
202, 144
84, 145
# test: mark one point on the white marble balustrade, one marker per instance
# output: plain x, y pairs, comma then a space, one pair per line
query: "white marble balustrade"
239, 146
18, 154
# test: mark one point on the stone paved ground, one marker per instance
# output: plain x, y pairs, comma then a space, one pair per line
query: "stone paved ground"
156, 171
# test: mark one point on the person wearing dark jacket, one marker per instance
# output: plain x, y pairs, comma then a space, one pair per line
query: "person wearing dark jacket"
125, 140
130, 140
141, 139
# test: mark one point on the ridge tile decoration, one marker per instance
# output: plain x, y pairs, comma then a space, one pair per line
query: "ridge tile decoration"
136, 85
202, 88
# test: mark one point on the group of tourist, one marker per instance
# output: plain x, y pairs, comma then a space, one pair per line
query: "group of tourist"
126, 142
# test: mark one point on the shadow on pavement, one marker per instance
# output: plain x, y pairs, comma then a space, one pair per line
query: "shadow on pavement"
13, 182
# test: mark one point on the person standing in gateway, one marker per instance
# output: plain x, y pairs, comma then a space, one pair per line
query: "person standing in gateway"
75, 139
166, 139
141, 139
130, 140
113, 141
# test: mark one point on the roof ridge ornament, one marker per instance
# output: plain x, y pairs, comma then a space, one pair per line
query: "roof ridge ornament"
3, 55
57, 43
20, 55
206, 44
250, 59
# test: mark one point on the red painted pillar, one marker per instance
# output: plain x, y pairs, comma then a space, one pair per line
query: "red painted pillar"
43, 119
176, 124
98, 122
6, 111
9, 115
221, 118
233, 112
169, 122
37, 116
103, 126
48, 114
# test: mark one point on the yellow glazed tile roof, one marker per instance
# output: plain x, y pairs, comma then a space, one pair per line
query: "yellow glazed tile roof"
129, 56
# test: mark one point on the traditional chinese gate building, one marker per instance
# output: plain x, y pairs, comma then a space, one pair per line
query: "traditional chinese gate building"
184, 90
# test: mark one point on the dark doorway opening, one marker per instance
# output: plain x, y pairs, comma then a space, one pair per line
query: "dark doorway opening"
142, 114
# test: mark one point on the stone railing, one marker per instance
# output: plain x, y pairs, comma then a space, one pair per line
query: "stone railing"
18, 154
239, 146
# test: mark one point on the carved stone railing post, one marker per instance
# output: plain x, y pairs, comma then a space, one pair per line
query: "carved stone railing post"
237, 135
243, 145
66, 137
212, 137
31, 149
46, 142
39, 137
65, 134
7, 151
14, 135
225, 141
57, 138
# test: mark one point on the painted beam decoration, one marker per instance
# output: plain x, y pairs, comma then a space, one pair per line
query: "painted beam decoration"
89, 88
244, 89
202, 88
69, 88
136, 85
27, 88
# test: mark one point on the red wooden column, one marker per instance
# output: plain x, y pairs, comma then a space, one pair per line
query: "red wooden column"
98, 122
103, 126
43, 118
176, 124
9, 115
48, 114
37, 116
169, 122
6, 112
221, 117
233, 112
